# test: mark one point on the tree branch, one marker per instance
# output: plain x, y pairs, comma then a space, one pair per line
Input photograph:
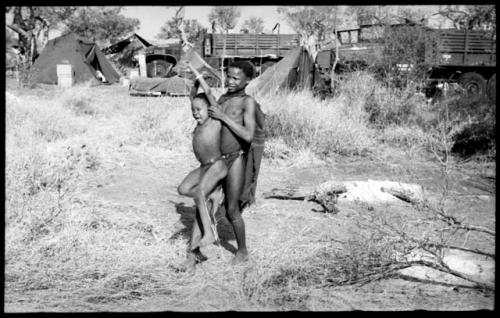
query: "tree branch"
16, 28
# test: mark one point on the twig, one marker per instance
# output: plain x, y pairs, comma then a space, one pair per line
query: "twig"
393, 268
451, 220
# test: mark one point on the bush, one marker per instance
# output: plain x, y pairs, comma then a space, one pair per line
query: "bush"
471, 124
326, 127
477, 138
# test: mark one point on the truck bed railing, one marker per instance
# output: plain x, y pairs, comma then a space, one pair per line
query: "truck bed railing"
255, 44
459, 41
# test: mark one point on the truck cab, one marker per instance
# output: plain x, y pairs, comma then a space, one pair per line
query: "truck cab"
161, 59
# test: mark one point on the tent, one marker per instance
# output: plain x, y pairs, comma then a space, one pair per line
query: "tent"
294, 71
172, 86
121, 45
84, 56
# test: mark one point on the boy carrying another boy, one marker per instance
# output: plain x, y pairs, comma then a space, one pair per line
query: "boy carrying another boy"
242, 123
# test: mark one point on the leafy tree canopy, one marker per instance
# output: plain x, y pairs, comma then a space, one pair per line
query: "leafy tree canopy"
32, 25
105, 25
254, 25
224, 17
192, 28
471, 17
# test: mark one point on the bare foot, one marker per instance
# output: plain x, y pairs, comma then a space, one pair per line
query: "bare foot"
199, 257
240, 257
207, 239
189, 265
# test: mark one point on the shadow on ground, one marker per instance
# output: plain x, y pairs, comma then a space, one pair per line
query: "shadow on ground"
187, 215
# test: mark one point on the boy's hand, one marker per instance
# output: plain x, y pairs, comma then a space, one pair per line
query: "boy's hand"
216, 113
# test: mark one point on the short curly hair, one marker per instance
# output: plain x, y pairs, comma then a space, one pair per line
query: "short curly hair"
247, 67
201, 96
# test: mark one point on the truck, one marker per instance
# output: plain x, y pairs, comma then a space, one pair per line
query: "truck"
263, 50
466, 57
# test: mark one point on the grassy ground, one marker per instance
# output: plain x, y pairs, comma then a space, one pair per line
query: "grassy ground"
94, 223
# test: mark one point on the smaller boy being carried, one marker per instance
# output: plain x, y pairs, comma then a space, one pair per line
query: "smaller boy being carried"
201, 182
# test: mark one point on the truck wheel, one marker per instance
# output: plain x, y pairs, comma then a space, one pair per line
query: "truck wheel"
473, 83
158, 68
491, 88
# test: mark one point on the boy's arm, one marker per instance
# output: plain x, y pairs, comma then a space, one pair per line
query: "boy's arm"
245, 131
194, 90
204, 85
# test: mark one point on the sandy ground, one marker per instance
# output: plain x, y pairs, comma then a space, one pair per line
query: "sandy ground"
149, 184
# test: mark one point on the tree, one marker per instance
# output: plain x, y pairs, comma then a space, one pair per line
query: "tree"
32, 24
224, 18
471, 17
316, 25
254, 25
11, 59
104, 25
192, 28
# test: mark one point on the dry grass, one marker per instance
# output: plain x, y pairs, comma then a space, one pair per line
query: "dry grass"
326, 127
100, 254
56, 238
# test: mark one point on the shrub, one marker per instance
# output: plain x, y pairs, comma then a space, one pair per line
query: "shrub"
477, 138
471, 124
324, 126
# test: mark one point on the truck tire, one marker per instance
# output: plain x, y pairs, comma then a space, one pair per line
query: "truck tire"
473, 83
158, 68
491, 88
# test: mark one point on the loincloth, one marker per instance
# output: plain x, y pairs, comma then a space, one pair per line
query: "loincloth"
230, 158
207, 164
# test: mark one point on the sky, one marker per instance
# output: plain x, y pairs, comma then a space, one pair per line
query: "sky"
152, 18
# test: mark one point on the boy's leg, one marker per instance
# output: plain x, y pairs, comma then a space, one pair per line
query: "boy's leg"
233, 188
217, 198
189, 185
195, 234
194, 255
190, 262
208, 181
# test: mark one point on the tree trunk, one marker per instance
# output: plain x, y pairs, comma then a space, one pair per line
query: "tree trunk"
332, 72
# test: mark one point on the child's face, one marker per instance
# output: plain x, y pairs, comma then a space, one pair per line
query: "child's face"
199, 108
236, 79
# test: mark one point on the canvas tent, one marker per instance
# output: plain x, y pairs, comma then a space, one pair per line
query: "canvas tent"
121, 45
84, 56
294, 71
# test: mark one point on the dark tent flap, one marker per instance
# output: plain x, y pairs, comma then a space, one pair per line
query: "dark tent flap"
119, 46
106, 68
84, 56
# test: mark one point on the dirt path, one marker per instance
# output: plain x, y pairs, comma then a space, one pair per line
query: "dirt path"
279, 221
148, 185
